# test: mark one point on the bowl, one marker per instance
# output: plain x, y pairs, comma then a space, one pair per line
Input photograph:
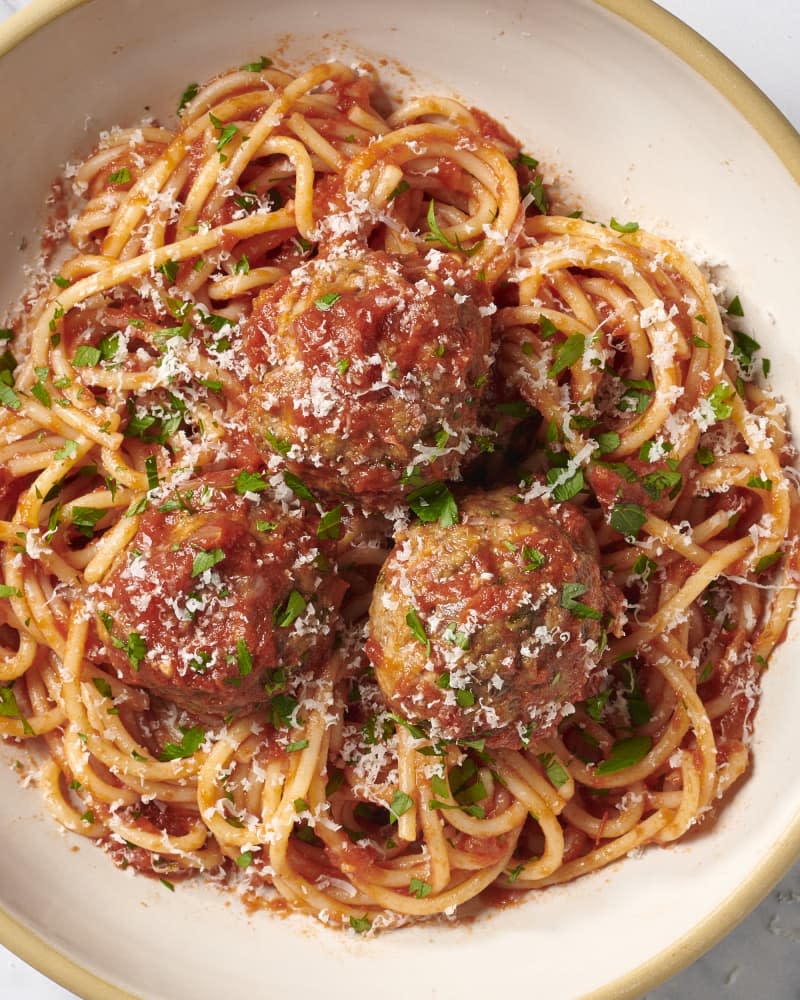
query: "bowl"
637, 117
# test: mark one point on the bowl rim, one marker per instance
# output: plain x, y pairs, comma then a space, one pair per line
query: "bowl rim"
759, 111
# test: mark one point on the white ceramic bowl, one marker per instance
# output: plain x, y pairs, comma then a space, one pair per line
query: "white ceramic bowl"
622, 102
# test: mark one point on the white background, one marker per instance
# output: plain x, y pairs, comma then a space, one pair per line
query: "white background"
761, 958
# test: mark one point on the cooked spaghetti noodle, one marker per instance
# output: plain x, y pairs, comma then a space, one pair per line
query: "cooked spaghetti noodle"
147, 401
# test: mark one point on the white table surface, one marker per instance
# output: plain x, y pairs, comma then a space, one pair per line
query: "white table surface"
760, 960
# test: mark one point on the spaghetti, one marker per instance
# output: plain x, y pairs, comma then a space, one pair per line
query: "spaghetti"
197, 422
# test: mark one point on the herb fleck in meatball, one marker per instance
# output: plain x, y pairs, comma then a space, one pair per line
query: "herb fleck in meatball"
218, 589
373, 367
495, 626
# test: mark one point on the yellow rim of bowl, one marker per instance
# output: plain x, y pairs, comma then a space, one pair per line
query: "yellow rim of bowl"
774, 128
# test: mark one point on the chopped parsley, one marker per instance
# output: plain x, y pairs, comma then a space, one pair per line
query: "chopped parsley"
623, 227
227, 132
401, 803
8, 397
655, 483
535, 189
437, 236
206, 559
85, 519
86, 356
735, 307
288, 612
567, 354
170, 270
134, 646
532, 558
188, 95
122, 176
103, 687
547, 328
401, 188
608, 442
243, 658
522, 159
151, 469
326, 302
250, 482
625, 753
460, 639
628, 519
718, 400
644, 567
419, 888
434, 502
744, 348
567, 489
298, 487
553, 769
191, 742
414, 622
256, 67
330, 524
282, 710
765, 562
595, 706
569, 593
9, 709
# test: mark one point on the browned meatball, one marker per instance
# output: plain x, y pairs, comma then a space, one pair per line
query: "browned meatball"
216, 589
373, 367
494, 626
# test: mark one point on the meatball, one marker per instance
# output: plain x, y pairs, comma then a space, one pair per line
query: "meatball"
373, 367
493, 627
215, 593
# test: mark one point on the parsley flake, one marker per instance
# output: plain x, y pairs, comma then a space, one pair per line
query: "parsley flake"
625, 753
249, 482
735, 307
243, 658
419, 888
206, 559
284, 615
414, 622
326, 302
568, 353
401, 803
434, 502
628, 519
298, 487
623, 227
9, 709
256, 67
330, 524
569, 593
553, 769
191, 742
188, 95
